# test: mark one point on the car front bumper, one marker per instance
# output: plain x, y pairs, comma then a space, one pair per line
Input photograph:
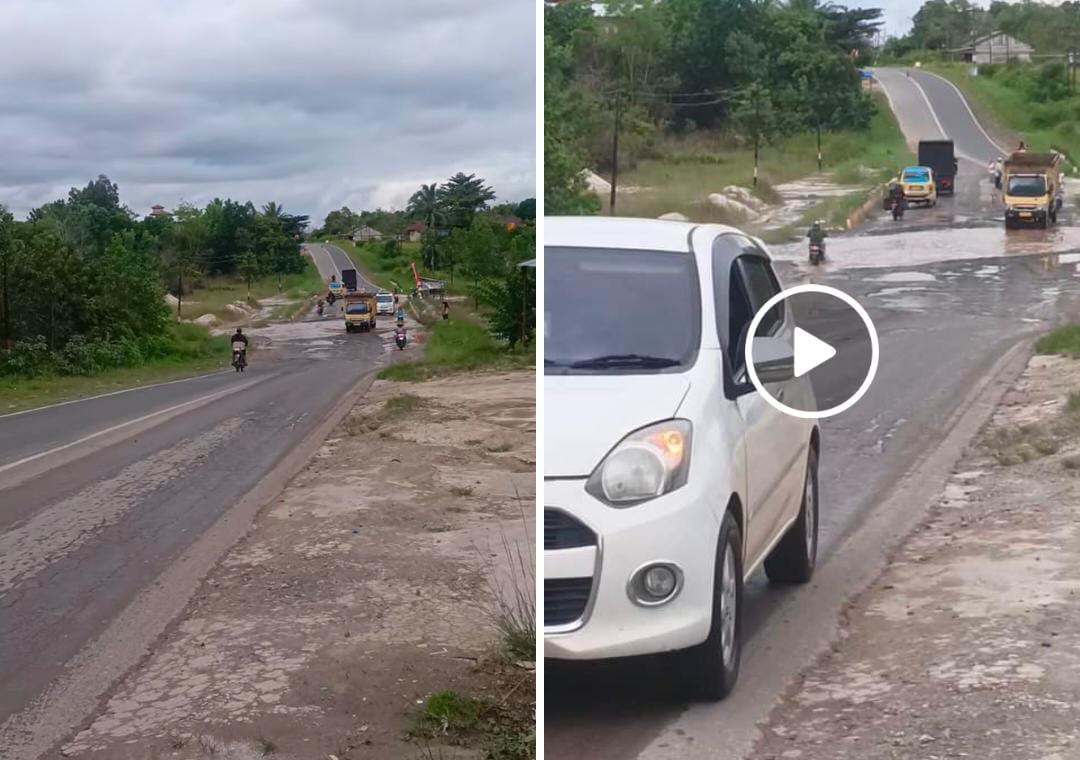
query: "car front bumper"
680, 529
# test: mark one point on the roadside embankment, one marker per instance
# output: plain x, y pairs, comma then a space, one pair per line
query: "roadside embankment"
968, 645
376, 607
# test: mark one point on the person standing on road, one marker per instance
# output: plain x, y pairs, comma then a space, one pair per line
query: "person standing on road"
445, 309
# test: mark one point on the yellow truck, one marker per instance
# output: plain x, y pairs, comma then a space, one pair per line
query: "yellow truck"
359, 311
1032, 189
918, 185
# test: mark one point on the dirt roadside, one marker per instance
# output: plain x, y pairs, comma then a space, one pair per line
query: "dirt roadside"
969, 644
364, 589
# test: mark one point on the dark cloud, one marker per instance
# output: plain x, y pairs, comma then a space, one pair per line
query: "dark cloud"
313, 103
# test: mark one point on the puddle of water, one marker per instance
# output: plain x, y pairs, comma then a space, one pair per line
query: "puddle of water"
903, 277
886, 292
296, 331
935, 245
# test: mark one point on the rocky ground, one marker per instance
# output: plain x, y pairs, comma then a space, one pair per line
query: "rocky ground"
969, 644
370, 584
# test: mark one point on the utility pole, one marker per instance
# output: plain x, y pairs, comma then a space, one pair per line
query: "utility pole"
614, 157
757, 132
6, 293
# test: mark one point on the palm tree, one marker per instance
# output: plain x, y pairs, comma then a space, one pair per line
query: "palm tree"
426, 204
273, 210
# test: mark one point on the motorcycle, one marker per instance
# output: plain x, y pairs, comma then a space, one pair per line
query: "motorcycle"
817, 253
319, 308
239, 357
897, 210
399, 338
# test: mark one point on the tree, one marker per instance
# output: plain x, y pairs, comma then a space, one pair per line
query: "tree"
426, 204
526, 210
462, 196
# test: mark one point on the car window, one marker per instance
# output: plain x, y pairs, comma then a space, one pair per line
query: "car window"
740, 289
761, 285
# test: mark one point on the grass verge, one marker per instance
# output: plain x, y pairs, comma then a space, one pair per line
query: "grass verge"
458, 345
192, 351
688, 168
216, 294
502, 728
1063, 340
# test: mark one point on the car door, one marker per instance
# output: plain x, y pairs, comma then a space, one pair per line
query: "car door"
772, 438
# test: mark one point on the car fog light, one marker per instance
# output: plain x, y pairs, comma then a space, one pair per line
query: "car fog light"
655, 584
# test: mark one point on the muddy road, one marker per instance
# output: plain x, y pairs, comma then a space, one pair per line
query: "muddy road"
111, 504
954, 299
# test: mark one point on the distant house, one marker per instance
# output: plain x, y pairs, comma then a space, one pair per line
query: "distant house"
364, 233
997, 47
510, 222
158, 210
412, 233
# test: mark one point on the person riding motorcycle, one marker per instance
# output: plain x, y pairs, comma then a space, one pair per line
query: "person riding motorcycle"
817, 235
239, 339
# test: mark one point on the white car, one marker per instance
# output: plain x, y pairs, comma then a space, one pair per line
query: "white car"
384, 303
668, 478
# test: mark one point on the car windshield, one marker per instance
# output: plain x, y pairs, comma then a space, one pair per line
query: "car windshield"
386, 299
356, 308
916, 176
619, 311
1027, 187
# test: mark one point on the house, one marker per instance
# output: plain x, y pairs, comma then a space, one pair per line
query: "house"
158, 210
997, 47
364, 233
412, 233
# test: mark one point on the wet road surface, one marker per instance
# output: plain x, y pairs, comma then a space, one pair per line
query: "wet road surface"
85, 528
950, 293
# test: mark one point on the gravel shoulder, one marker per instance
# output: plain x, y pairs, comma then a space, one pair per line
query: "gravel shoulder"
969, 644
366, 587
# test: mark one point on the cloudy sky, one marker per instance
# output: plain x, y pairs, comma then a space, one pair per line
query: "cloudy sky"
312, 103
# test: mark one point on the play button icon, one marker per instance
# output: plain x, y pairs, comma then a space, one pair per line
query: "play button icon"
810, 352
819, 359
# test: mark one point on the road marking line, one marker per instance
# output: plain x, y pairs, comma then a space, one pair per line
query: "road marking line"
941, 129
201, 399
971, 113
113, 393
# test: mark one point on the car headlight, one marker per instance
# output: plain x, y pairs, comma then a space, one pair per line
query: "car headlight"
649, 462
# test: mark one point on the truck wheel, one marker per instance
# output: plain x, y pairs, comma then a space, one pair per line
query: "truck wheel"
712, 667
793, 559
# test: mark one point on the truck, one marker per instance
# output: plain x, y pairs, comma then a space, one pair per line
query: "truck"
940, 157
1032, 189
348, 277
360, 310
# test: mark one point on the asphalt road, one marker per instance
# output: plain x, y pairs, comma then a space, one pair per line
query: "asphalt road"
99, 497
951, 297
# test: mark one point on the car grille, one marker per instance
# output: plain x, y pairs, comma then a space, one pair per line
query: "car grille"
565, 599
561, 531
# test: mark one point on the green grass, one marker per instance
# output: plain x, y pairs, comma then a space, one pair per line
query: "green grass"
446, 712
458, 345
1061, 340
193, 351
499, 731
1001, 99
216, 293
690, 168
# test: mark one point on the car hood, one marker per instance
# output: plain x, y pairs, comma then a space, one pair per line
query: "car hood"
586, 415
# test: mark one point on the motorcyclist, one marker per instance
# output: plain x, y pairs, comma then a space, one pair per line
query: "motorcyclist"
817, 235
320, 305
239, 339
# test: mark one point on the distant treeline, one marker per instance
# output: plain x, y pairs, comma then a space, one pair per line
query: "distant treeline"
83, 279
756, 69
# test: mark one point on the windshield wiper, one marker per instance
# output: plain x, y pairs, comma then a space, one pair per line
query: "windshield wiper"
637, 361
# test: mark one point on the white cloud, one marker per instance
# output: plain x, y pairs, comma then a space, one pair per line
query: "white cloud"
313, 103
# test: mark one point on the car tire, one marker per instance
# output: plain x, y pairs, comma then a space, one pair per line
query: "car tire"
793, 559
712, 667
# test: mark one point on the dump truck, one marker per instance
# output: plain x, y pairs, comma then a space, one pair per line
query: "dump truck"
940, 156
348, 277
1032, 189
359, 311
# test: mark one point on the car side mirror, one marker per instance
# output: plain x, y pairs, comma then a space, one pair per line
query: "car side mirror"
774, 360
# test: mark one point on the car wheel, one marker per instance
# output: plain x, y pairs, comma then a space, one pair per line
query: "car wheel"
713, 666
793, 559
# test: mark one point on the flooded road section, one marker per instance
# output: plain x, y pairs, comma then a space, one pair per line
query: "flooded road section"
945, 312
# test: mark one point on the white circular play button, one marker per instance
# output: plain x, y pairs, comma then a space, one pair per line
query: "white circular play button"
830, 361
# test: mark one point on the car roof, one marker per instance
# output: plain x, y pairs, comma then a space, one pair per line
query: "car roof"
625, 233
917, 169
